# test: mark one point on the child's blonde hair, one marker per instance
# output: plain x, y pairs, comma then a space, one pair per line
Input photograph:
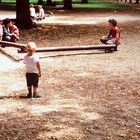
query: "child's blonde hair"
31, 5
31, 46
39, 6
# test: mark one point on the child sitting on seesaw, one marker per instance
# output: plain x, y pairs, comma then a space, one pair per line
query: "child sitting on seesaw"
114, 34
33, 70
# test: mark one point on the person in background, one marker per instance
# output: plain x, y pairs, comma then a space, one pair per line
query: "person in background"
14, 31
7, 36
32, 12
33, 70
114, 33
41, 14
1, 29
10, 31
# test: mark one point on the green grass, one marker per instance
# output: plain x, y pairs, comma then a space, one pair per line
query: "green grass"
76, 4
101, 5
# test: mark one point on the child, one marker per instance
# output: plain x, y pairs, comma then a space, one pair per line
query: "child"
10, 31
41, 15
7, 36
14, 31
32, 12
1, 29
114, 34
33, 70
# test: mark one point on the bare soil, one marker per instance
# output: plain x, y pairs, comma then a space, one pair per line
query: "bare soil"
85, 95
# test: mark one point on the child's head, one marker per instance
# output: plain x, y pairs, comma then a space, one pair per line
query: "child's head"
31, 48
31, 5
7, 22
11, 24
112, 23
39, 7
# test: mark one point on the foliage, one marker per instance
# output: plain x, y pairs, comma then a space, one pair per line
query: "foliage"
77, 4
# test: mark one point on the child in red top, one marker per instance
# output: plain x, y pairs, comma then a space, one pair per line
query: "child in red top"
1, 29
114, 34
15, 32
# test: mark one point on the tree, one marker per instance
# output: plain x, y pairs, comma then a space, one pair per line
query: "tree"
50, 3
40, 2
84, 1
137, 1
130, 1
67, 4
23, 19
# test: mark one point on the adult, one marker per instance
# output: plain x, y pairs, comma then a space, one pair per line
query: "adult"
41, 14
32, 12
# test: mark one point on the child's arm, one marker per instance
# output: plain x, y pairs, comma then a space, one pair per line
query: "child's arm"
1, 32
117, 36
23, 60
6, 32
0, 37
15, 32
109, 35
39, 68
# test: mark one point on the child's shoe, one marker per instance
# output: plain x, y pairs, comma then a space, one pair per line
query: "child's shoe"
29, 95
3, 46
35, 95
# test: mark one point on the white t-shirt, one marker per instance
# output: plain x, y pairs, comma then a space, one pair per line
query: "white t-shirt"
1, 32
31, 63
32, 12
41, 13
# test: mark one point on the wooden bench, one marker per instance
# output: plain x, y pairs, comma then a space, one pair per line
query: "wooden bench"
21, 47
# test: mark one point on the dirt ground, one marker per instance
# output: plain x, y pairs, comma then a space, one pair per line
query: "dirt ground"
85, 95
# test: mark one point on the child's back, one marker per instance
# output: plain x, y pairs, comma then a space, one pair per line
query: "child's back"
30, 63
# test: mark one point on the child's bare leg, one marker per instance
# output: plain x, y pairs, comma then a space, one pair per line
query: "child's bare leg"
29, 92
35, 90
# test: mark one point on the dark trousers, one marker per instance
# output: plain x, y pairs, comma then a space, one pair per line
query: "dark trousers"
32, 79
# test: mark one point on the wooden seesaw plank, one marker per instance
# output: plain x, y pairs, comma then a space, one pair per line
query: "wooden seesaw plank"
73, 48
58, 49
11, 44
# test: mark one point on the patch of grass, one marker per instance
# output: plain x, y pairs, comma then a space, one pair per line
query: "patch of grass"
100, 4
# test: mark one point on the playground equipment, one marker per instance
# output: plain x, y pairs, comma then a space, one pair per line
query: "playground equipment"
21, 47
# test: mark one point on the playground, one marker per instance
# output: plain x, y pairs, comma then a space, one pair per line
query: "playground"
85, 95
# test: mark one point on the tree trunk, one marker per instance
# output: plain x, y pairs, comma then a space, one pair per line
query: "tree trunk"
67, 4
130, 1
50, 3
40, 2
23, 19
84, 1
137, 1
